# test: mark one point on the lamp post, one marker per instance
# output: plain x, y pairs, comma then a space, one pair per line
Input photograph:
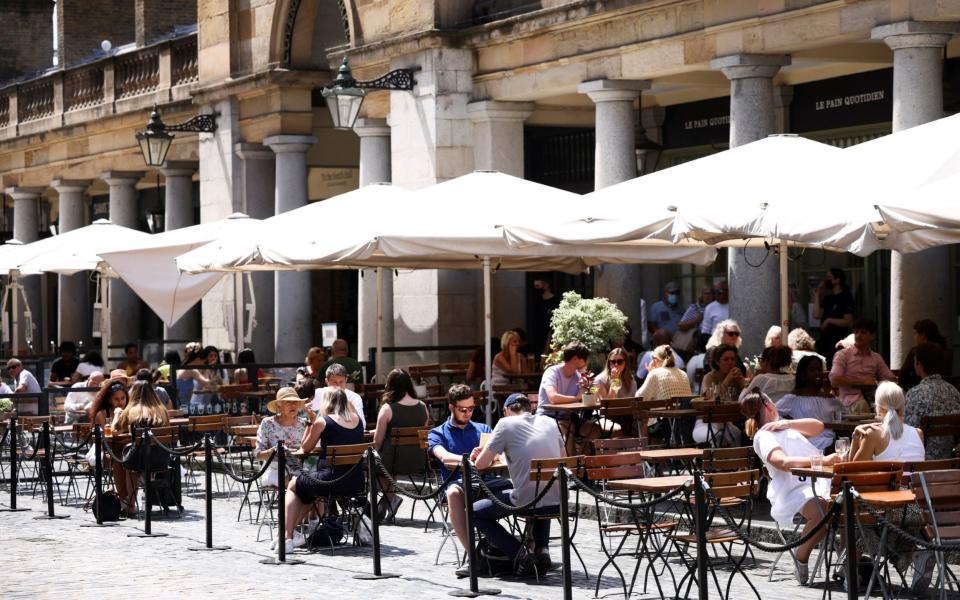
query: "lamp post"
155, 141
345, 95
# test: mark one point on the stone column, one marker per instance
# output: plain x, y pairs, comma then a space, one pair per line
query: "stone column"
374, 137
124, 304
178, 213
754, 297
498, 146
432, 141
258, 174
73, 305
292, 303
919, 282
26, 228
616, 161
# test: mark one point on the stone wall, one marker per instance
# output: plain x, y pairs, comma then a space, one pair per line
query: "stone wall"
83, 24
156, 18
27, 43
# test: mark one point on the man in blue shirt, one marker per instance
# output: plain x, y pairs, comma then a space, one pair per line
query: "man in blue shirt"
666, 313
448, 442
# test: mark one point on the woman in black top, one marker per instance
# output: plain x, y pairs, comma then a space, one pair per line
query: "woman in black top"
338, 424
833, 305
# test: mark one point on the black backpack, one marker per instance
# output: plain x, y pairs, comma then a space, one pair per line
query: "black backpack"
328, 533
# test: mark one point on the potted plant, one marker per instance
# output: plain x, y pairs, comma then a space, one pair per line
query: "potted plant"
594, 322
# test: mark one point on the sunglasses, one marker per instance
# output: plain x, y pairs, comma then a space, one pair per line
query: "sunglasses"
616, 361
463, 409
732, 333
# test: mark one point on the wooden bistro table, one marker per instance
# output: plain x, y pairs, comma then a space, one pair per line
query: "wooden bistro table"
658, 458
578, 412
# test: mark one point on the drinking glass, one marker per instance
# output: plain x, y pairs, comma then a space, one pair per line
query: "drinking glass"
816, 462
615, 385
842, 448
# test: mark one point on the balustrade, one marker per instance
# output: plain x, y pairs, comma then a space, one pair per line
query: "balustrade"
35, 100
137, 73
83, 88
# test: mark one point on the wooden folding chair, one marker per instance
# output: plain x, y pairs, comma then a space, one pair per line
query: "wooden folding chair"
938, 496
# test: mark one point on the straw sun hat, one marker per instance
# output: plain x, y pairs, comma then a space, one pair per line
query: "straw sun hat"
286, 394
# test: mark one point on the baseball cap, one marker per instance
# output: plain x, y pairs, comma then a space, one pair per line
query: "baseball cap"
514, 399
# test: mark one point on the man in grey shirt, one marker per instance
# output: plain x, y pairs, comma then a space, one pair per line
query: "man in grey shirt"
521, 437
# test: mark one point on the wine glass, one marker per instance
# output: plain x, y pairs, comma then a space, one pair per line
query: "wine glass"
615, 385
842, 448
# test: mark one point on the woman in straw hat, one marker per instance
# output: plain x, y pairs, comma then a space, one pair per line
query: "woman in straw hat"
284, 425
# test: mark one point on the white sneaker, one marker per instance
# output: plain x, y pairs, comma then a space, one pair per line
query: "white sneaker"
297, 541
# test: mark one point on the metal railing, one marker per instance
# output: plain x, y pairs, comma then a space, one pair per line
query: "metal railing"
159, 73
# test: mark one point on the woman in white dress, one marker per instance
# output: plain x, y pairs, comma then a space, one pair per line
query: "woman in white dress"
891, 439
782, 446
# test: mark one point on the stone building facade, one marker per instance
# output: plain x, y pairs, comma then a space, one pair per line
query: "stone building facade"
556, 88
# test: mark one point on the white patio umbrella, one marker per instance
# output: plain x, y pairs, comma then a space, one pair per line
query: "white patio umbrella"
79, 250
150, 269
750, 195
455, 224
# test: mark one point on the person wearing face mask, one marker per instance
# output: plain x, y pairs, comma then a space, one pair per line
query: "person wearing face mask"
666, 313
833, 305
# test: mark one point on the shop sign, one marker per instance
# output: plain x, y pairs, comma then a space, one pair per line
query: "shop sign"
697, 123
861, 99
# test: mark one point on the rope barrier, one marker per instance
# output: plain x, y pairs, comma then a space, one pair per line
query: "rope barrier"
182, 451
835, 509
58, 441
244, 480
920, 542
625, 505
510, 508
416, 497
119, 459
346, 475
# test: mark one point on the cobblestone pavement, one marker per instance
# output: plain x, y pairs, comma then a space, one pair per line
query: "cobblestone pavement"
60, 559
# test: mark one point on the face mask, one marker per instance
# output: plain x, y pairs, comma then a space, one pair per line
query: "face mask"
673, 298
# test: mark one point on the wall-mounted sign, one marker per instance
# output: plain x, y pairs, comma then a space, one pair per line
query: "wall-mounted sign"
327, 182
697, 123
861, 99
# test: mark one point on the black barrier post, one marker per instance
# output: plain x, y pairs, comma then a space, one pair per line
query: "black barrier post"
701, 527
475, 590
12, 434
281, 558
208, 495
375, 522
98, 477
146, 437
565, 533
850, 528
48, 476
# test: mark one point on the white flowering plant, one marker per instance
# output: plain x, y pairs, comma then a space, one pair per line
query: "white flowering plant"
594, 322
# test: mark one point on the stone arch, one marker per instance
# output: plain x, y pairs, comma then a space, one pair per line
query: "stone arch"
303, 31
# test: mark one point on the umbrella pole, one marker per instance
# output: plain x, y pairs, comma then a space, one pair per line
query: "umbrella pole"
15, 317
238, 312
487, 327
106, 319
784, 293
379, 363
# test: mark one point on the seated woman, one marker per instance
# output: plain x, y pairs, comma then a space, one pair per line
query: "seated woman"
801, 344
774, 337
399, 407
337, 424
284, 425
144, 410
725, 378
773, 377
311, 365
809, 401
782, 446
616, 381
664, 380
109, 402
890, 439
508, 361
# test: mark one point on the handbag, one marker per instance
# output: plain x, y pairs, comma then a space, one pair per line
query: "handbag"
137, 456
107, 505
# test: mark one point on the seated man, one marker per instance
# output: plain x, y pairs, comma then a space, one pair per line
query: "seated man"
336, 377
64, 367
77, 404
565, 384
858, 367
931, 397
448, 442
522, 437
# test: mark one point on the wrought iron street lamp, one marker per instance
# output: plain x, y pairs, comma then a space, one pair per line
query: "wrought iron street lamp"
345, 95
155, 141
